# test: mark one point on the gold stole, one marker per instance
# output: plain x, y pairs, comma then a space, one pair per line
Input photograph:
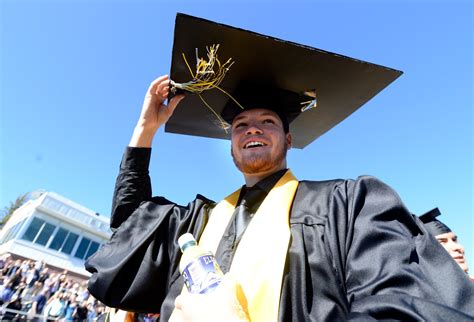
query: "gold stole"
259, 260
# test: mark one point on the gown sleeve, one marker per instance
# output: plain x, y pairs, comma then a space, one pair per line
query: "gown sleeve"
132, 186
135, 270
394, 269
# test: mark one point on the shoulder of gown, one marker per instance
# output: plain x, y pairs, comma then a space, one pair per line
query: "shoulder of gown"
135, 269
382, 258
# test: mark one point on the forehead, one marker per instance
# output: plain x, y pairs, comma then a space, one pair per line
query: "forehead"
449, 235
255, 113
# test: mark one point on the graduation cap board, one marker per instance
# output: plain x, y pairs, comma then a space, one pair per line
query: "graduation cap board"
433, 225
338, 85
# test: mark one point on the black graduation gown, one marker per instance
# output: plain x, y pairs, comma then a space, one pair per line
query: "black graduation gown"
356, 253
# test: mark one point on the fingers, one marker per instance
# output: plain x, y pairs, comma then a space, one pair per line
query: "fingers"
178, 302
156, 82
229, 282
174, 102
159, 87
163, 88
219, 305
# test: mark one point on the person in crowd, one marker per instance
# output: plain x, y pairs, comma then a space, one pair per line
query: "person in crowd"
83, 292
14, 305
55, 307
63, 277
73, 288
4, 260
39, 265
14, 268
29, 293
71, 306
102, 313
21, 288
446, 237
44, 274
39, 303
6, 291
81, 312
31, 276
25, 267
92, 312
6, 265
53, 283
297, 250
16, 278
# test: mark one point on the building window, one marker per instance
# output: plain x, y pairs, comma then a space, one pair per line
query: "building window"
45, 234
64, 241
69, 243
39, 231
11, 233
33, 229
58, 239
92, 249
82, 249
86, 248
16, 228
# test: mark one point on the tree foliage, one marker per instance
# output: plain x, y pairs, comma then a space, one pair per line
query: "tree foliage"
14, 205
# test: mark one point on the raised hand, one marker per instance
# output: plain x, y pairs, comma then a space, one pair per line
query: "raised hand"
154, 112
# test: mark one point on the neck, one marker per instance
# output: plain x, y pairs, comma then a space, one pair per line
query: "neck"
253, 178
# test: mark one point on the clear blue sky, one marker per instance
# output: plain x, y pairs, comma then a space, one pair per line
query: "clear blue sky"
73, 76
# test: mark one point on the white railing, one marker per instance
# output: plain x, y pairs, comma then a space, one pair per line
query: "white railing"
20, 315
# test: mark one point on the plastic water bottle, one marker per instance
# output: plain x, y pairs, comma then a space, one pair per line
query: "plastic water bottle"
198, 267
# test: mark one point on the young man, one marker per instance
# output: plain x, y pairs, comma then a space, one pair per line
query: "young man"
450, 242
302, 250
446, 237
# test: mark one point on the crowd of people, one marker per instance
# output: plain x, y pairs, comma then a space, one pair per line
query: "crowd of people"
41, 293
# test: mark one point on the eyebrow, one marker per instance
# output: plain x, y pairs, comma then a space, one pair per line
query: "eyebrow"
243, 117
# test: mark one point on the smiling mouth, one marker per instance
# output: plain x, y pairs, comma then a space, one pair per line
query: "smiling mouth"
254, 144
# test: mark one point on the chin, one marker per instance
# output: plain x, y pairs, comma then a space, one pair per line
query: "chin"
254, 165
258, 162
464, 267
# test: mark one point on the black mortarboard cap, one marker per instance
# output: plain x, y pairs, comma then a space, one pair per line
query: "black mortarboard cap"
433, 225
277, 71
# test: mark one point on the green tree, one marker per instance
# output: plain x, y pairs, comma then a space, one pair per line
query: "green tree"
14, 205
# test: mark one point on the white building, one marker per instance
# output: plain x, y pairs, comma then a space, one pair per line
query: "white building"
56, 230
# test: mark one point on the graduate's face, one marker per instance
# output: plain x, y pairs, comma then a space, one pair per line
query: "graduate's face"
450, 242
259, 143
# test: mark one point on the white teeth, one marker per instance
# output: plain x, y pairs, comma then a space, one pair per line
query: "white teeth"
254, 143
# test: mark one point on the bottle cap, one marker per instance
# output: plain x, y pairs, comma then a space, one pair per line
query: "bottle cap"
185, 239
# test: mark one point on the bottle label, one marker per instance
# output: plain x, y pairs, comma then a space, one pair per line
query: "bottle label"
202, 274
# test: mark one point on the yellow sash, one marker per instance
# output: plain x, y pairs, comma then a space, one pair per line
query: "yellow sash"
260, 258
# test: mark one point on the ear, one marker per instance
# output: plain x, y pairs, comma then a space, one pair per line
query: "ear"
289, 141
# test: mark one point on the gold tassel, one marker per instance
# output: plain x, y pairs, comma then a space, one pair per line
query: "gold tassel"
209, 74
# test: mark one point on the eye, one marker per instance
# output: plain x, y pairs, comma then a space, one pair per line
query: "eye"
442, 241
240, 124
268, 121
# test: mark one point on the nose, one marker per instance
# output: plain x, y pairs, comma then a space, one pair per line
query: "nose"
253, 129
457, 247
460, 248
